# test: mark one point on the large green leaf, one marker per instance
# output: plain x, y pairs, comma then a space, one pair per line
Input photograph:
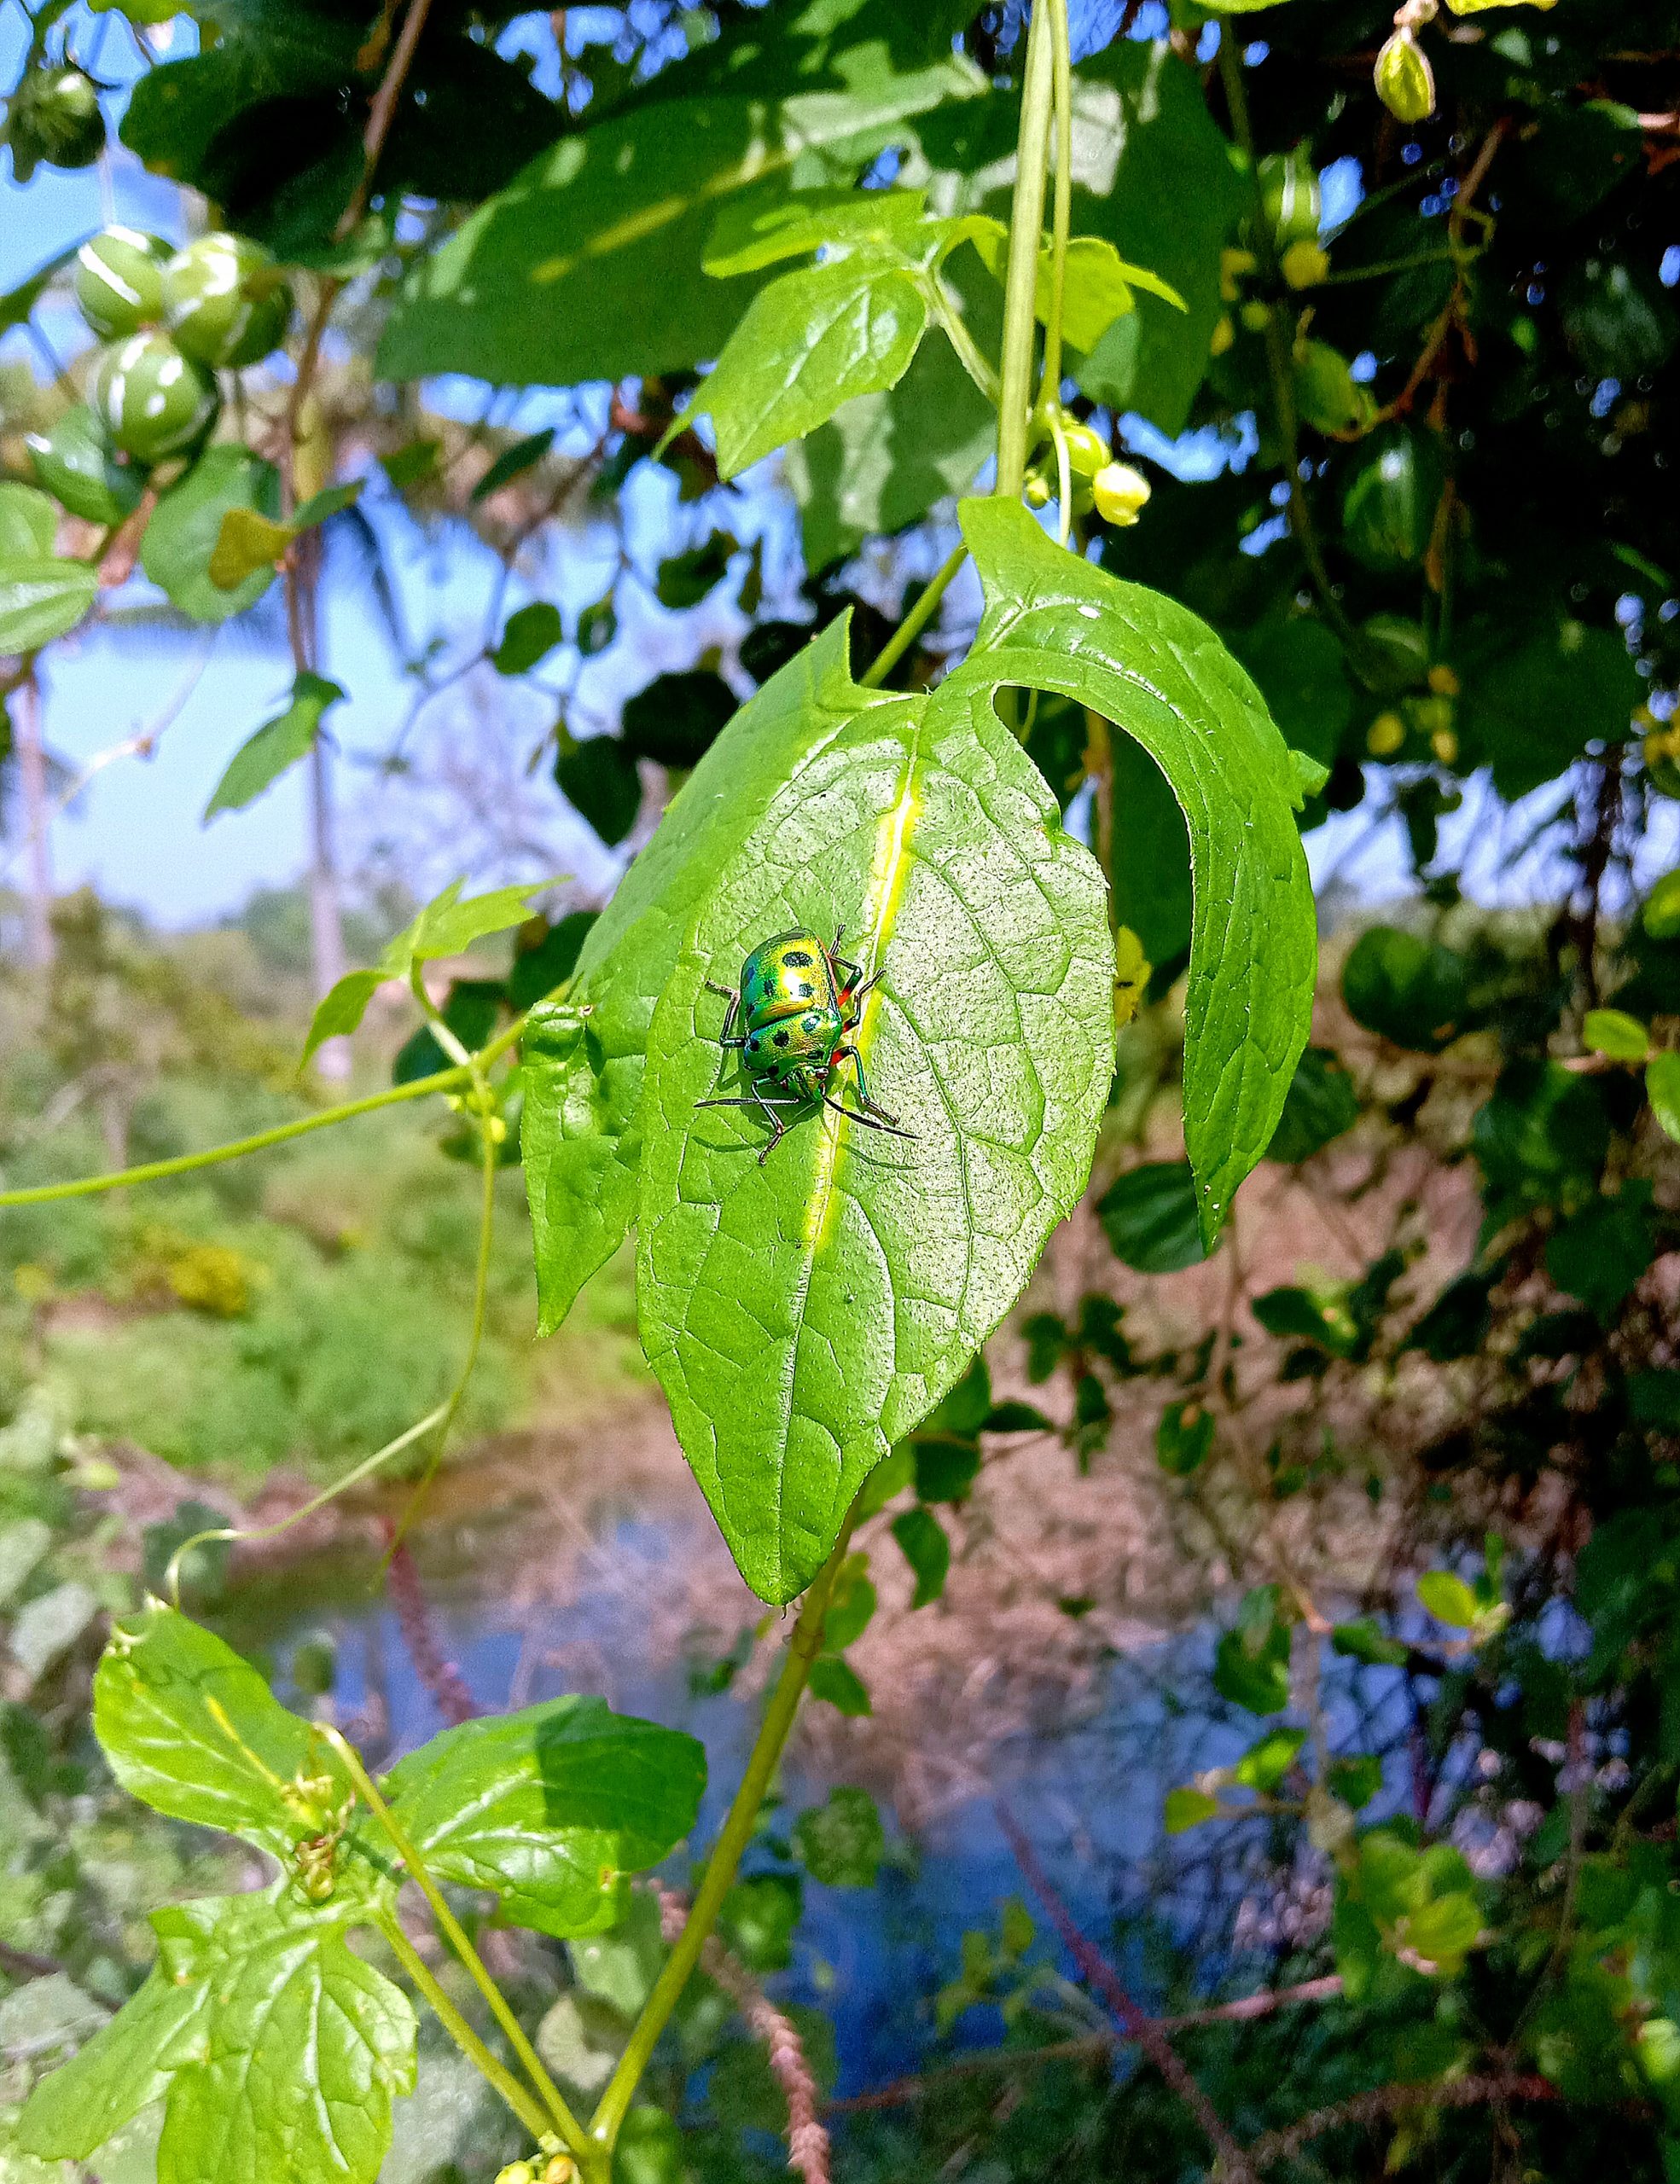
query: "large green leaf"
41, 599
549, 1807
1055, 623
194, 1731
809, 342
804, 1314
587, 265
275, 2049
583, 1057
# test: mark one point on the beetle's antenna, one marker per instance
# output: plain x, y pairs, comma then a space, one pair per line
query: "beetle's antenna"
852, 1115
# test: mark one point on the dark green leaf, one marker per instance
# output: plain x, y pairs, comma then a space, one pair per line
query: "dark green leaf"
841, 1843
1455, 1325
927, 1549
945, 1470
513, 462
1251, 1667
675, 720
1149, 1216
1356, 1780
259, 761
1322, 1104
685, 579
1183, 1439
1365, 1641
598, 779
1406, 990
531, 632
1603, 1251
470, 1011
761, 1913
538, 969
548, 1808
1298, 1315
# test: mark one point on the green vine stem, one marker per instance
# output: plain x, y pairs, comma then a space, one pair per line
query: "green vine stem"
184, 1164
1020, 286
1061, 215
571, 2131
920, 615
803, 1648
529, 2110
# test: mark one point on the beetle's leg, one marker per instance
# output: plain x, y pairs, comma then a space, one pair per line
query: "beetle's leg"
875, 1107
853, 1115
778, 1128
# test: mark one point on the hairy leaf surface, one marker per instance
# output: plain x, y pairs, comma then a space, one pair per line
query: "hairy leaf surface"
580, 1132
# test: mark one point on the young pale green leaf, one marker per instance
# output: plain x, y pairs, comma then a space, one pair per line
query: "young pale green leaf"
262, 758
194, 1731
1098, 282
1662, 1090
805, 1313
246, 543
1185, 1809
751, 232
275, 2048
580, 1130
41, 599
1449, 1599
1264, 1764
809, 342
549, 1807
1615, 1034
28, 523
1055, 623
446, 927
186, 530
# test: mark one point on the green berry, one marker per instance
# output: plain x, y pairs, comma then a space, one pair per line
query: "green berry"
75, 465
1388, 509
227, 302
1404, 80
120, 281
153, 401
54, 115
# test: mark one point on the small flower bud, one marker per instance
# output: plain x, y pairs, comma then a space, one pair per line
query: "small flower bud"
1255, 316
1385, 735
1304, 264
516, 2172
1233, 264
1087, 449
1119, 492
1442, 680
1224, 334
1405, 82
1444, 744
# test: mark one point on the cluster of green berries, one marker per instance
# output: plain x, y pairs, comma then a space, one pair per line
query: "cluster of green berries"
1115, 490
1429, 719
1293, 208
170, 320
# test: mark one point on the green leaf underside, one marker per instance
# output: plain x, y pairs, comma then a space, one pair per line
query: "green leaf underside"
805, 1315
1055, 623
194, 1731
41, 599
275, 2049
262, 758
549, 1807
581, 1139
809, 342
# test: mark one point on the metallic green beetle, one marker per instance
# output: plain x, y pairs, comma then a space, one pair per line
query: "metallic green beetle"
798, 1000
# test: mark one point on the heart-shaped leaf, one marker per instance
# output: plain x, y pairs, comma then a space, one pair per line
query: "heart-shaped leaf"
806, 1313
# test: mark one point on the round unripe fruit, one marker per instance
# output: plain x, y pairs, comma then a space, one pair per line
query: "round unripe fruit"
1385, 735
55, 114
1119, 492
120, 281
226, 301
1405, 82
1388, 509
153, 401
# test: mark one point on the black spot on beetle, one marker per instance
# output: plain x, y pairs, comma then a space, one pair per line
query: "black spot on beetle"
797, 959
804, 992
782, 1038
